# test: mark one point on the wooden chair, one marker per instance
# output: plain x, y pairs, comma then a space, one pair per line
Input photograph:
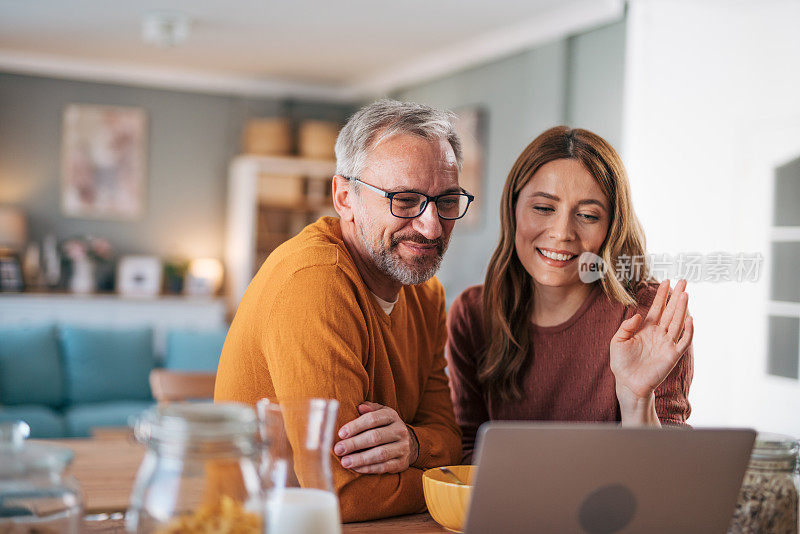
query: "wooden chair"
173, 386
112, 433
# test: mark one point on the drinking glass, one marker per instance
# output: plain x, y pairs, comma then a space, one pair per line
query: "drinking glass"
297, 440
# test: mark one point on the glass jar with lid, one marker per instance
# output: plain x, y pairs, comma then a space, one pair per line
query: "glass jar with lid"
768, 500
200, 472
35, 493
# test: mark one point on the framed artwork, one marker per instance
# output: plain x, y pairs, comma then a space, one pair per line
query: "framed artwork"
471, 128
103, 162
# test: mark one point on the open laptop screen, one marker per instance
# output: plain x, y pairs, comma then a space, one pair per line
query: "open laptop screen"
602, 478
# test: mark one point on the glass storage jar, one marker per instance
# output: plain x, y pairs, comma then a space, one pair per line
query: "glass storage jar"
35, 494
200, 471
768, 500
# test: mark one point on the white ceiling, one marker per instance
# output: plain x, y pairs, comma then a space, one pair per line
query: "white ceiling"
333, 49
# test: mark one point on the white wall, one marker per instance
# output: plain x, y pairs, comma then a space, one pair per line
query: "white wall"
712, 105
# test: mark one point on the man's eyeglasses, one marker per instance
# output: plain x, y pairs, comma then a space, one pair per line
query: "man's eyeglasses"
410, 204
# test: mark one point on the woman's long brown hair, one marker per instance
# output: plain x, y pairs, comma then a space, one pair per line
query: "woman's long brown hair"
508, 289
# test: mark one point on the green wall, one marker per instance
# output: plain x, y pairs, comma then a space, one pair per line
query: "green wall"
576, 81
191, 139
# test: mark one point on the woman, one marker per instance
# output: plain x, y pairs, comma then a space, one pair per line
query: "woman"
544, 338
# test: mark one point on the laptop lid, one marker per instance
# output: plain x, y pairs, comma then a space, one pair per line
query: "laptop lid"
602, 478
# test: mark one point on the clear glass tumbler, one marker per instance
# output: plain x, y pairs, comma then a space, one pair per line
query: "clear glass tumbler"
297, 441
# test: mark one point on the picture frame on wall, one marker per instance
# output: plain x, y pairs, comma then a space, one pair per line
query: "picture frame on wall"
471, 124
103, 162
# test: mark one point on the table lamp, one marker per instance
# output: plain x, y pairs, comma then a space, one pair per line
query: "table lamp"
204, 277
13, 229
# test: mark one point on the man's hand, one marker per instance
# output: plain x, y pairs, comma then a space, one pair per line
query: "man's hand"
377, 442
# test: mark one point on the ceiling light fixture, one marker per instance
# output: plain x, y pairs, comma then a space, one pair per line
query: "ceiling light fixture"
165, 28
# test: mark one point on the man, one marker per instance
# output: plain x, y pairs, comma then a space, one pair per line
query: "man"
349, 309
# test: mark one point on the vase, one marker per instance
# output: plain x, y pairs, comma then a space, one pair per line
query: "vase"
82, 280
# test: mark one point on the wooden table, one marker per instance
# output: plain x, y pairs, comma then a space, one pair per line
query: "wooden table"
407, 524
106, 469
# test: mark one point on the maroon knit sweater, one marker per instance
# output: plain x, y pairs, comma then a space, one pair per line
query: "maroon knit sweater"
568, 377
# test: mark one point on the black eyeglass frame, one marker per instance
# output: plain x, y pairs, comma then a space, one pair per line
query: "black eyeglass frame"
428, 199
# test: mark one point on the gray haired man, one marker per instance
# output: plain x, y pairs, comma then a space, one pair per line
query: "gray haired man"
349, 309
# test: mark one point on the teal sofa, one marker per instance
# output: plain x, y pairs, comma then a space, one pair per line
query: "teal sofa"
65, 380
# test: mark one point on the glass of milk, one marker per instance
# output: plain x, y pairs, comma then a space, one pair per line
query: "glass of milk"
297, 441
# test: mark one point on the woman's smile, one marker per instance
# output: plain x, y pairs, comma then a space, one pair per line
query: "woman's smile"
556, 258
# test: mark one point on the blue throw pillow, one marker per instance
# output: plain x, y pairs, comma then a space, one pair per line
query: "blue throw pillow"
103, 364
191, 350
30, 366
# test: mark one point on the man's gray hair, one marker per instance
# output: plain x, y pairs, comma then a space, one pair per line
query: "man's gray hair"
382, 119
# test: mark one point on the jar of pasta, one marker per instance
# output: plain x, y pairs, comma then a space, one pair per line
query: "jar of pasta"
768, 500
199, 473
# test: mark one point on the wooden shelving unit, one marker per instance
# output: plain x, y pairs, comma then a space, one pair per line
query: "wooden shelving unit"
270, 199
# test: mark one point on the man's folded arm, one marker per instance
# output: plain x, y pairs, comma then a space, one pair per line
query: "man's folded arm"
313, 340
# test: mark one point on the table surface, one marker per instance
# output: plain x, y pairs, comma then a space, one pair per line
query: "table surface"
106, 468
407, 524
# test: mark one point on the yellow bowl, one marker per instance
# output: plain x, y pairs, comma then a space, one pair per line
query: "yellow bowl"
448, 501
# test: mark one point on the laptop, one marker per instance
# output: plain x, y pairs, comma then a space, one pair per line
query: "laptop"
602, 478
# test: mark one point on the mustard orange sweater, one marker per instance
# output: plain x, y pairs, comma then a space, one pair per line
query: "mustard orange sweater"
308, 326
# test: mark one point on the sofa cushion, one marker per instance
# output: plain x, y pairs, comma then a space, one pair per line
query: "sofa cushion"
103, 364
192, 350
81, 418
30, 366
44, 422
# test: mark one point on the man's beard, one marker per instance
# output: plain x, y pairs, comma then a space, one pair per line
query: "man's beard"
389, 262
